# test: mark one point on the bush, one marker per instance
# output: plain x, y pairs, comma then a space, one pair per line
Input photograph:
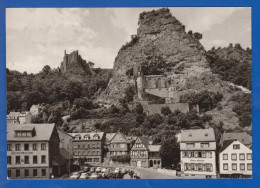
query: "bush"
121, 158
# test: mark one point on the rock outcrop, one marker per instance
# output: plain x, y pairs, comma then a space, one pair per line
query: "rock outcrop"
162, 39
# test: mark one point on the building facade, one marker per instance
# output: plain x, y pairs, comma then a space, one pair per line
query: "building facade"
198, 152
119, 145
89, 146
144, 154
235, 160
25, 118
242, 137
33, 151
12, 117
66, 141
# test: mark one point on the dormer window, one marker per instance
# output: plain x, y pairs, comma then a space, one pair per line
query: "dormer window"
77, 137
25, 132
87, 137
96, 137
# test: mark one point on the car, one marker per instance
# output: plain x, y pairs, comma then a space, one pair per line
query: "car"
117, 171
84, 176
94, 176
86, 169
75, 175
98, 169
123, 171
104, 170
92, 169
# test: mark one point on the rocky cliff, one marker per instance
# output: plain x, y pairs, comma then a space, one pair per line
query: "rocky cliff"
73, 65
162, 43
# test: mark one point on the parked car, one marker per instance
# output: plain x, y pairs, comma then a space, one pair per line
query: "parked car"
117, 171
104, 170
92, 169
123, 171
86, 169
98, 169
94, 176
75, 175
84, 176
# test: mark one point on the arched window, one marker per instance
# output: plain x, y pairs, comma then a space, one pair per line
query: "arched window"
77, 137
96, 137
159, 83
163, 83
87, 137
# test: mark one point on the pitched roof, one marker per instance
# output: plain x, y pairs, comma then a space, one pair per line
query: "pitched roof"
131, 138
109, 136
243, 137
63, 133
43, 131
145, 141
193, 135
91, 134
65, 154
225, 145
12, 115
23, 114
154, 148
25, 128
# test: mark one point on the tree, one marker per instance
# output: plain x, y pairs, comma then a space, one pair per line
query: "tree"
197, 35
166, 111
170, 152
139, 108
190, 32
129, 94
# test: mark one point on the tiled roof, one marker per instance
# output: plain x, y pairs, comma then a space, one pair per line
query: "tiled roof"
13, 115
25, 128
43, 132
154, 148
193, 135
63, 133
91, 134
23, 114
243, 137
109, 136
225, 145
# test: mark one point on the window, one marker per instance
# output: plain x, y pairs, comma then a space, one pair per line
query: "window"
26, 147
209, 167
225, 156
242, 166
199, 154
96, 159
203, 154
190, 145
249, 166
249, 156
93, 146
9, 160
35, 159
236, 146
43, 172
78, 146
17, 160
17, 174
26, 172
17, 147
225, 166
26, 159
43, 159
35, 147
9, 173
234, 166
241, 156
204, 145
192, 154
200, 168
43, 146
34, 172
9, 147
234, 156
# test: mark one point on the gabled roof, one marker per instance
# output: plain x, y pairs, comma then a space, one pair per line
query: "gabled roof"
23, 114
131, 138
243, 137
109, 136
91, 134
13, 115
154, 148
225, 145
145, 141
25, 128
122, 135
43, 132
196, 135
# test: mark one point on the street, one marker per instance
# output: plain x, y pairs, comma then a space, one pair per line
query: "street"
147, 173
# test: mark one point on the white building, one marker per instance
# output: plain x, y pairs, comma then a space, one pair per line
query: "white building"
198, 152
25, 118
235, 160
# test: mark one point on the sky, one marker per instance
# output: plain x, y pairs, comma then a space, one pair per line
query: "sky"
38, 36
